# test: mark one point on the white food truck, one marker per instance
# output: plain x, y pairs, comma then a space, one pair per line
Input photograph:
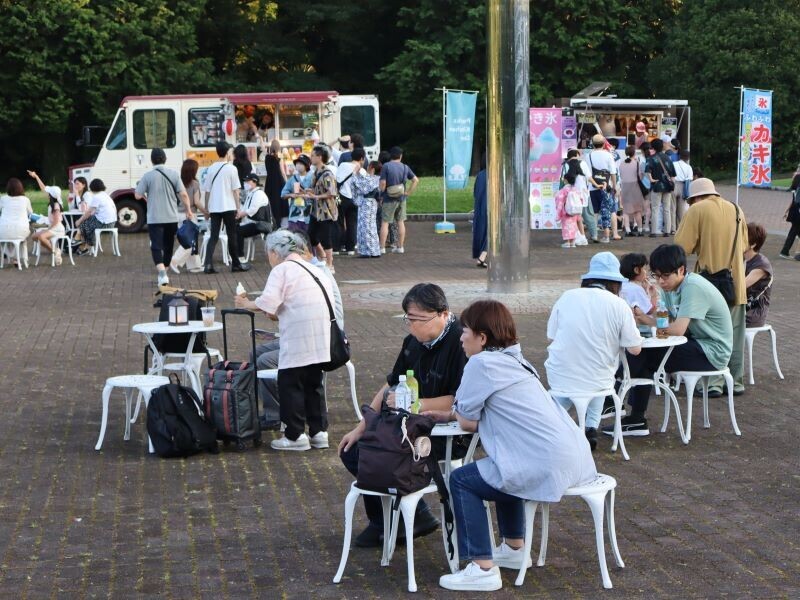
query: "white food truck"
189, 126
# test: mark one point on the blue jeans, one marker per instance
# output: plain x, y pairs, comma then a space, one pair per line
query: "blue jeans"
593, 411
468, 491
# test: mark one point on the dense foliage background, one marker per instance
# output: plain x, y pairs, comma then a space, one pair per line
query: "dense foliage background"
67, 63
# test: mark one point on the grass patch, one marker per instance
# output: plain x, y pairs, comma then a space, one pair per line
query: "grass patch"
784, 183
428, 197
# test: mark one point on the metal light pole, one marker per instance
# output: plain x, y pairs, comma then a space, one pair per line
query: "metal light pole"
508, 103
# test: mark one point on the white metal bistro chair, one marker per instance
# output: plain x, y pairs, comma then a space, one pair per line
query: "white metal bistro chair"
98, 245
599, 495
56, 242
20, 252
749, 336
581, 400
690, 379
144, 384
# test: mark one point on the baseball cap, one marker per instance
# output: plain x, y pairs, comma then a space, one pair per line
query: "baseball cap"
251, 177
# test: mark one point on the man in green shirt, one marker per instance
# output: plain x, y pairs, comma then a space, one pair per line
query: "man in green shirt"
698, 311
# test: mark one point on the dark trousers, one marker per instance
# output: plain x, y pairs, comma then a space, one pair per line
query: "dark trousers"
686, 357
348, 224
162, 241
245, 231
794, 231
229, 218
372, 504
302, 400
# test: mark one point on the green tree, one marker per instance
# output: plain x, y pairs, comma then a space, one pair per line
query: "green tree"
715, 46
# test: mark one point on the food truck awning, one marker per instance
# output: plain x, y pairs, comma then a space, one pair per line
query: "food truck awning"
625, 102
250, 98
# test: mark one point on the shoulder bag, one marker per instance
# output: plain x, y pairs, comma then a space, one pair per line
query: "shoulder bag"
394, 457
171, 185
340, 346
396, 192
723, 279
664, 178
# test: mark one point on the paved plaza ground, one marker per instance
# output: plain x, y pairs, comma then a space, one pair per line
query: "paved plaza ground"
717, 518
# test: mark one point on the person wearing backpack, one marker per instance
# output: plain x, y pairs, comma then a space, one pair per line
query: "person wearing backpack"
164, 191
661, 171
568, 210
581, 171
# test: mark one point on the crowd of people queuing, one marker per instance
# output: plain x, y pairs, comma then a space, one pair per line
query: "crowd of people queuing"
642, 192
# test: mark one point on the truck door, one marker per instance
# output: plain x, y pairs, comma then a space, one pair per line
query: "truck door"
359, 114
154, 125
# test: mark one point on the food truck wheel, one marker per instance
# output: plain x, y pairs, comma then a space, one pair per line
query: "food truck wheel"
130, 215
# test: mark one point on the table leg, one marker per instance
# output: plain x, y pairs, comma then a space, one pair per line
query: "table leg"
188, 367
104, 420
158, 359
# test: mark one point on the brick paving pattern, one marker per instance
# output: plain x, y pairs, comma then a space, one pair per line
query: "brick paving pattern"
715, 519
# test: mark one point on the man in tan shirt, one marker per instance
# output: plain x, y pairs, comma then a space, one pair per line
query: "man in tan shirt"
708, 229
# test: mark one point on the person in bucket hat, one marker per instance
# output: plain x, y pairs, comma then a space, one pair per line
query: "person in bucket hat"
588, 327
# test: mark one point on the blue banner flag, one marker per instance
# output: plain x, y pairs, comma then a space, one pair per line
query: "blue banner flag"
755, 141
459, 129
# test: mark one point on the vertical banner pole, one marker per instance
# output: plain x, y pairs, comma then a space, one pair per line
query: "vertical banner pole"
444, 150
741, 141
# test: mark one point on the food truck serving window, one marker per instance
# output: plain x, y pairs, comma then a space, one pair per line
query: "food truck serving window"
118, 138
154, 128
359, 119
293, 120
205, 126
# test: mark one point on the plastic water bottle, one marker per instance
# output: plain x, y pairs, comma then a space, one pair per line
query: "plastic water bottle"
413, 385
402, 394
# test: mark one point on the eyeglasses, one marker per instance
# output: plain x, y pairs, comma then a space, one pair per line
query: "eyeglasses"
409, 321
662, 276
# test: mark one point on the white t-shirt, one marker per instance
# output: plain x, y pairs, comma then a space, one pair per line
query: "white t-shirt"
588, 328
344, 173
600, 160
105, 209
683, 171
635, 295
225, 179
252, 203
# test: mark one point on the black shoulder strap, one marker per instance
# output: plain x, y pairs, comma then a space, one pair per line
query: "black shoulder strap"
444, 498
171, 185
213, 179
735, 236
324, 293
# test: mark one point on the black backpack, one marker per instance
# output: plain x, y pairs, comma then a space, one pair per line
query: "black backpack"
176, 424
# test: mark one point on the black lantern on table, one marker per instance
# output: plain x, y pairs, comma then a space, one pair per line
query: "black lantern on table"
178, 311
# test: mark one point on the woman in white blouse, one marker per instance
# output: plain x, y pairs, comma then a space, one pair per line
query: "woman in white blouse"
294, 299
15, 212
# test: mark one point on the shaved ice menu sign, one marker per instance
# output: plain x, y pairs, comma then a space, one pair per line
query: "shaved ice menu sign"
544, 166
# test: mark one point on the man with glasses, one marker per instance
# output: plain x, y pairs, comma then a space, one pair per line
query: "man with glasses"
433, 351
698, 311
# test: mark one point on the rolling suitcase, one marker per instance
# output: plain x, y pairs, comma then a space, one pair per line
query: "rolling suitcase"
230, 395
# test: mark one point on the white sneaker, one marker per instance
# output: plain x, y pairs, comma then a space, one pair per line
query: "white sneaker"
581, 241
567, 245
505, 557
319, 440
383, 250
174, 268
163, 278
473, 579
285, 443
399, 250
351, 253
58, 257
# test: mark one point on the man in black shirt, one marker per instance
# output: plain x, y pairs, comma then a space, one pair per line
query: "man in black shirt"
433, 351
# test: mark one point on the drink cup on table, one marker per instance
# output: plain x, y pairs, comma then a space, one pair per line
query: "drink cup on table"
208, 315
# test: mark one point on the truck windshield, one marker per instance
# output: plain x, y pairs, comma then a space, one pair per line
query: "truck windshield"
359, 119
118, 137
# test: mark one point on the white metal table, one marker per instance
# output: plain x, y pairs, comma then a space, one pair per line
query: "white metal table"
660, 380
164, 328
